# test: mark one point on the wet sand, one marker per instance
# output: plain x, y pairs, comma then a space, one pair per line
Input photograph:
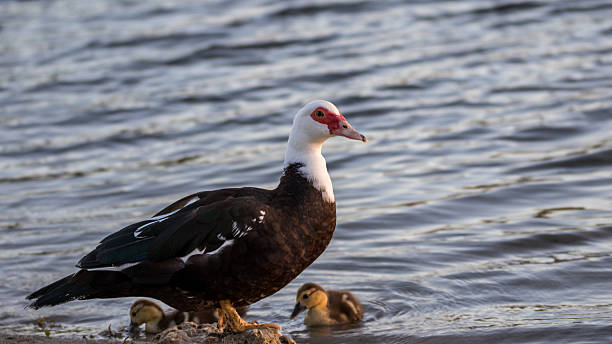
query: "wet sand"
33, 339
184, 333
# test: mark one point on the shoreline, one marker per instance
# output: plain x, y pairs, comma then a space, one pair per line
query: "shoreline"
42, 339
184, 333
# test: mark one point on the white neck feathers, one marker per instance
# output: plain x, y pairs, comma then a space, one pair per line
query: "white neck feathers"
314, 169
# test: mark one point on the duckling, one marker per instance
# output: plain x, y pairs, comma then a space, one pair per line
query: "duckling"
155, 320
326, 307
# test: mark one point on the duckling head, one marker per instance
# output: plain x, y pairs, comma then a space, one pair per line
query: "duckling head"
145, 312
309, 296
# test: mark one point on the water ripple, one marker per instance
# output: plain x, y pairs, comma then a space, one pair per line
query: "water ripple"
478, 212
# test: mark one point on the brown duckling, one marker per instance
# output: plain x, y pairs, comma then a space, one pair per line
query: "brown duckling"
326, 307
151, 314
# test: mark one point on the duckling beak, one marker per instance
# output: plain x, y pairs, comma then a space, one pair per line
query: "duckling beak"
133, 327
297, 310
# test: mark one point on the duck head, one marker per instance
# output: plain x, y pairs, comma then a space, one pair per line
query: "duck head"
312, 125
319, 120
309, 296
145, 312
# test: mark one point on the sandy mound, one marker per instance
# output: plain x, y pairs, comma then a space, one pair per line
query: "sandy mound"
206, 333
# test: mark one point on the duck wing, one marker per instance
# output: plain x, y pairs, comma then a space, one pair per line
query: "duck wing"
180, 229
344, 304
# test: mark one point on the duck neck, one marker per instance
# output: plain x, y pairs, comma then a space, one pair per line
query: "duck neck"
152, 326
318, 315
160, 323
313, 168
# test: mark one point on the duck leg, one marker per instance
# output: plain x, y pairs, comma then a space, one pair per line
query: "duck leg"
221, 315
236, 324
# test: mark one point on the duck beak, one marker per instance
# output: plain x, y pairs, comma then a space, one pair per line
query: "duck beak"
133, 327
346, 130
297, 310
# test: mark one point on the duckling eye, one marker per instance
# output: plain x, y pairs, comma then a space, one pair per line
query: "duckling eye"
319, 114
305, 296
133, 314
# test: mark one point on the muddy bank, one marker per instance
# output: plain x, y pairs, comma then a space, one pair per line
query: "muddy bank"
34, 339
185, 333
207, 333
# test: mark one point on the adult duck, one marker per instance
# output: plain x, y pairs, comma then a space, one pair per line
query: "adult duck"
224, 248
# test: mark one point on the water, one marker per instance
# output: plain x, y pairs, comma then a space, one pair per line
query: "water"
478, 212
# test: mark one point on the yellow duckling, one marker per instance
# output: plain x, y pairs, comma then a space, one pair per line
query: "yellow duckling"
151, 314
326, 307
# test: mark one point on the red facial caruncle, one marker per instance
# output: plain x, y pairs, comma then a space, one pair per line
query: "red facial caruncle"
336, 123
332, 120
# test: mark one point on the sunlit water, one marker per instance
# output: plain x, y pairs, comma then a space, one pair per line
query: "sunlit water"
479, 211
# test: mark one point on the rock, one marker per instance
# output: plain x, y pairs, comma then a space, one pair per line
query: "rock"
189, 332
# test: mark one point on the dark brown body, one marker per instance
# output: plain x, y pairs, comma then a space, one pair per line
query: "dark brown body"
297, 227
257, 267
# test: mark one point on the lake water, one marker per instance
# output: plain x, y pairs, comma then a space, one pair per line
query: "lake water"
479, 211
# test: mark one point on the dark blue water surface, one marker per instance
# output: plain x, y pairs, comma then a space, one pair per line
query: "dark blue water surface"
480, 211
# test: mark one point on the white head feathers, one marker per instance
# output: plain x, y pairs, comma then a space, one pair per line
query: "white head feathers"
304, 146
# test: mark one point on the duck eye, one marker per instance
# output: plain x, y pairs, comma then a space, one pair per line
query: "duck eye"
344, 126
319, 114
305, 296
133, 314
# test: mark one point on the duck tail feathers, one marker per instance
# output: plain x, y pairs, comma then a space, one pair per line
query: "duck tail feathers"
78, 286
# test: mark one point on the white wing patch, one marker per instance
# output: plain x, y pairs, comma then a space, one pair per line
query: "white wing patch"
198, 251
192, 253
260, 218
139, 230
162, 218
227, 243
238, 230
114, 268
